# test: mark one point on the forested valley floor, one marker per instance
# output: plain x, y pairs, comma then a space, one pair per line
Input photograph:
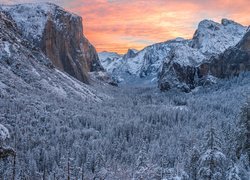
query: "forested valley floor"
130, 133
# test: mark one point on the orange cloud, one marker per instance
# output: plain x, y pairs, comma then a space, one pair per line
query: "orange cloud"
116, 25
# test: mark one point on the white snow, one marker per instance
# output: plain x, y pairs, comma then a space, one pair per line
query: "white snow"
4, 132
212, 37
79, 88
54, 89
31, 18
2, 85
109, 60
186, 55
35, 72
105, 55
7, 48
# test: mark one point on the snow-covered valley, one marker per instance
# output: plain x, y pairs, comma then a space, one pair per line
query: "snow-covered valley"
138, 133
180, 110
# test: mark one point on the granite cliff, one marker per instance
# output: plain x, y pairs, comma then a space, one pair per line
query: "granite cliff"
60, 36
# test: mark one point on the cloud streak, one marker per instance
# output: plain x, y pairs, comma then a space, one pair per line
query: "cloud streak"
116, 25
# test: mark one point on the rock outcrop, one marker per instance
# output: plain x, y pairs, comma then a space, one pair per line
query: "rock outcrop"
179, 68
230, 63
60, 36
200, 61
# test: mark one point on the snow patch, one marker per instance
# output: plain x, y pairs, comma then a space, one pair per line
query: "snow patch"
7, 48
4, 132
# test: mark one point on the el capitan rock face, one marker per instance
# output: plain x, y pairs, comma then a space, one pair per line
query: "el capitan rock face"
25, 72
60, 36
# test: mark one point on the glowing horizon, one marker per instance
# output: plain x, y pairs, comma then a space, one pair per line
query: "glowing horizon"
117, 25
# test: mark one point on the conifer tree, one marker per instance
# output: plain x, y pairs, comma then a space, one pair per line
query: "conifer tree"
212, 161
243, 138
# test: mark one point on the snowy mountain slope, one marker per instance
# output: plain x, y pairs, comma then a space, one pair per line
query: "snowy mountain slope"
26, 71
143, 63
179, 68
109, 60
231, 62
31, 18
214, 38
105, 55
59, 34
210, 38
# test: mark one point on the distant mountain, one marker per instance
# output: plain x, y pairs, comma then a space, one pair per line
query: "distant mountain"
220, 60
59, 34
108, 59
164, 59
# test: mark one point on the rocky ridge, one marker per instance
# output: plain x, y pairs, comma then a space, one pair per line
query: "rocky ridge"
173, 63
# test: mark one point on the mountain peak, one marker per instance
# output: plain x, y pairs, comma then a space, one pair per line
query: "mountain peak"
212, 37
226, 22
207, 22
130, 53
134, 50
212, 25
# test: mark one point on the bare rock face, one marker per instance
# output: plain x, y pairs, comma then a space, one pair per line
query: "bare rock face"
179, 68
177, 76
60, 36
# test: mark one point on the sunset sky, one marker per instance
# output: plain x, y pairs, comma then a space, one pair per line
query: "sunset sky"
116, 25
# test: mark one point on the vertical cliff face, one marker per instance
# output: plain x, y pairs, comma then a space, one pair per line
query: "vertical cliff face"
60, 36
233, 61
27, 74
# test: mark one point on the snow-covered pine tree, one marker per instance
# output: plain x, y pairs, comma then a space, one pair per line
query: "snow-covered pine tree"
6, 152
243, 164
193, 163
4, 134
142, 163
243, 142
233, 173
100, 170
243, 137
212, 161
